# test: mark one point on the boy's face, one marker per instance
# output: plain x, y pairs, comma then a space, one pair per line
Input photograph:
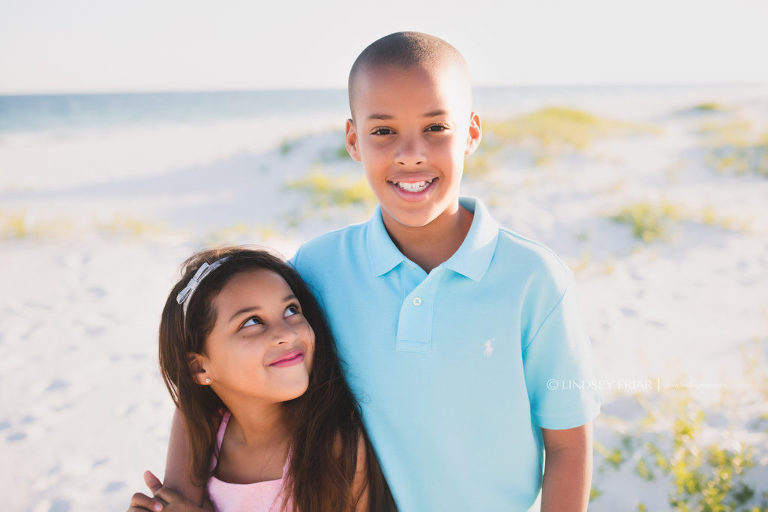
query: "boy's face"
411, 129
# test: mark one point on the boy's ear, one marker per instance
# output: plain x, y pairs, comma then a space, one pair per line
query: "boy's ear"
350, 140
475, 134
197, 367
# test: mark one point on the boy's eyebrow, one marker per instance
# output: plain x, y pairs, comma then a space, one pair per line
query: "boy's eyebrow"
386, 117
257, 308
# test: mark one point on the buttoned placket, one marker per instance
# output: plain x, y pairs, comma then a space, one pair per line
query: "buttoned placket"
414, 327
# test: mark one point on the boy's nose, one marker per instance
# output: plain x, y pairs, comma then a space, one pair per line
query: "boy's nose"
410, 153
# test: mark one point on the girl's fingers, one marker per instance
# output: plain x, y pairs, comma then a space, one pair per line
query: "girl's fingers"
143, 502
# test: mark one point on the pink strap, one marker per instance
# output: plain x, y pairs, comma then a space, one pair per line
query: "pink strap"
222, 428
225, 415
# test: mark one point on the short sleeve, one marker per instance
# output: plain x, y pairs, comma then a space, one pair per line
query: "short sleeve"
559, 370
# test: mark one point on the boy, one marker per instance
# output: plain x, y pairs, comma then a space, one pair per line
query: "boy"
454, 331
462, 339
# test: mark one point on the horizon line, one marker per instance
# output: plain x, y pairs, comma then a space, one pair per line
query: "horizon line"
547, 85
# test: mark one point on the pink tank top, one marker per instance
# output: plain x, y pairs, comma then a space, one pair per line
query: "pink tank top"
257, 497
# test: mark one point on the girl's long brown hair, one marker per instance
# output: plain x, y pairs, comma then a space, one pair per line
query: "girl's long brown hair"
325, 422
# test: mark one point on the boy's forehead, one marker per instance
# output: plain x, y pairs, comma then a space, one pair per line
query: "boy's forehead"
420, 86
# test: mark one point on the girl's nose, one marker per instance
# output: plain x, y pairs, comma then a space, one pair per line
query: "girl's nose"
410, 153
284, 333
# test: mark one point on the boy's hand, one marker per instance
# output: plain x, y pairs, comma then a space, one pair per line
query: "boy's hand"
165, 499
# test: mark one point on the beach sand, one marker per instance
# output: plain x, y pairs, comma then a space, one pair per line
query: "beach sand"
678, 320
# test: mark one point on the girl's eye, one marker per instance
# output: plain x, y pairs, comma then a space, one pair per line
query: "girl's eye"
437, 128
382, 131
254, 320
291, 310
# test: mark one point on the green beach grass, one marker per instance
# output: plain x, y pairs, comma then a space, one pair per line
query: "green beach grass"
325, 191
656, 220
132, 227
649, 221
17, 224
675, 441
699, 475
550, 133
735, 146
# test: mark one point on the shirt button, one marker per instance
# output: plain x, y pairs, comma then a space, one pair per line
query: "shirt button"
417, 301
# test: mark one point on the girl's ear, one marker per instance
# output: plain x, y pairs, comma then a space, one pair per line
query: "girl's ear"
197, 367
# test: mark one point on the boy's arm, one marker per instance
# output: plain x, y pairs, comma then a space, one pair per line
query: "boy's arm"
177, 475
177, 492
567, 469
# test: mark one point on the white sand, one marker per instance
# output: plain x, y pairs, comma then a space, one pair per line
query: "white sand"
110, 217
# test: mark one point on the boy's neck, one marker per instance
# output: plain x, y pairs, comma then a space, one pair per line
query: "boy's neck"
429, 246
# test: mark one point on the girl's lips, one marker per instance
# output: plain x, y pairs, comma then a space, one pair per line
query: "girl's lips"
291, 358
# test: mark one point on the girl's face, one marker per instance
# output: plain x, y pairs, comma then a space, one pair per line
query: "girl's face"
261, 346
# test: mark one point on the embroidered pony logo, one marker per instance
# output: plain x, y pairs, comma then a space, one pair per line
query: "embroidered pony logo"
488, 347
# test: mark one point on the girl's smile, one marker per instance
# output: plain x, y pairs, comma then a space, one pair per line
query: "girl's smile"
291, 358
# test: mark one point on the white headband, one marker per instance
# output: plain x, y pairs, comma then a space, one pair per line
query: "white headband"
185, 296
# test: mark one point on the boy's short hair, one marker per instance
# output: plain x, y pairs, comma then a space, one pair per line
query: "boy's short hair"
405, 50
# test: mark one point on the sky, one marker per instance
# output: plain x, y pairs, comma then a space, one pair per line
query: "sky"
51, 46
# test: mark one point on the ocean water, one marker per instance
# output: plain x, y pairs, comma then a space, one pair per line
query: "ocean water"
74, 111
35, 113
54, 141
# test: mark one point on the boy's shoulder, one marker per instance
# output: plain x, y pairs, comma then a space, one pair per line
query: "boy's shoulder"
508, 254
334, 238
329, 245
515, 252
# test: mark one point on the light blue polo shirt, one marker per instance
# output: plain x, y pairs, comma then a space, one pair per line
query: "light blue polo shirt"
457, 369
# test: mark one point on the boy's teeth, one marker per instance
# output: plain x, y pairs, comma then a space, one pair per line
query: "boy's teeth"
417, 186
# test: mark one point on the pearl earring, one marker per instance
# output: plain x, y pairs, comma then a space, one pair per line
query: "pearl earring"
207, 380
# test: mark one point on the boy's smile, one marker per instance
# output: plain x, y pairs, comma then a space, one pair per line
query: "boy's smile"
412, 186
411, 129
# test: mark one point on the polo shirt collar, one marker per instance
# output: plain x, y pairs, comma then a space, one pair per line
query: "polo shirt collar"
472, 259
382, 251
474, 256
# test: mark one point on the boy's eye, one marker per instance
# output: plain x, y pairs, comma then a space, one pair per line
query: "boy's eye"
254, 320
382, 131
436, 128
291, 310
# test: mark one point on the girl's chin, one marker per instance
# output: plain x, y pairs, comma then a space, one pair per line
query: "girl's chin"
292, 392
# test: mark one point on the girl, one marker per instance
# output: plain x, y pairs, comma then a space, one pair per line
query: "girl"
252, 368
